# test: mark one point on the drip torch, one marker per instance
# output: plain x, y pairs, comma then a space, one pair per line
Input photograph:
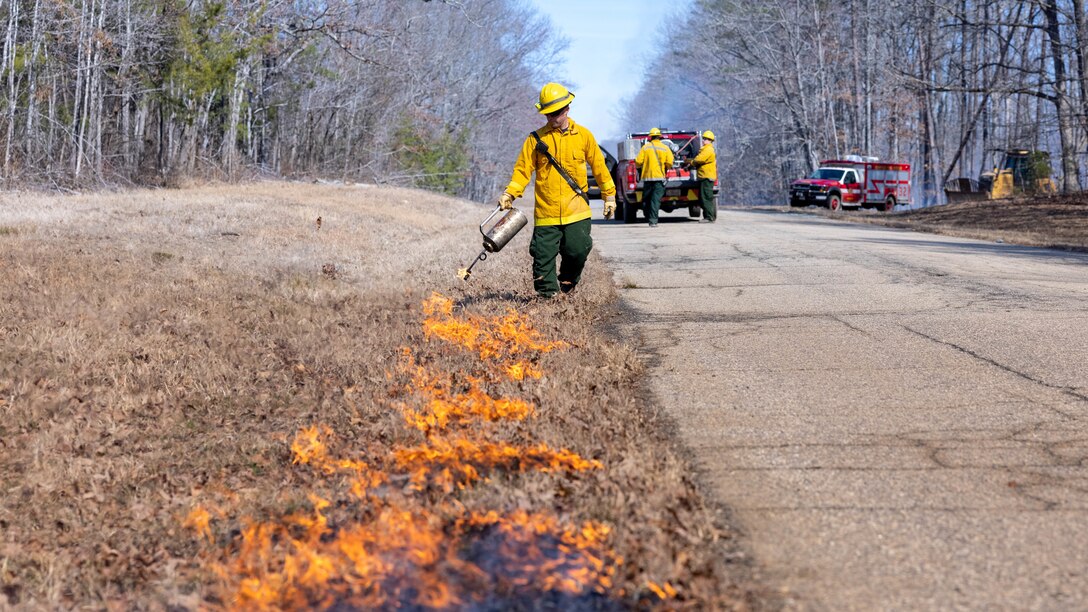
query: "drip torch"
497, 236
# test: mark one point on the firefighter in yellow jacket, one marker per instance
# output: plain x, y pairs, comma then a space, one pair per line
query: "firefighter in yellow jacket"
562, 216
653, 160
706, 163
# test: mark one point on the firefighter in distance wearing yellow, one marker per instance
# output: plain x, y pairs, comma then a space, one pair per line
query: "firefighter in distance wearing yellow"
706, 164
653, 161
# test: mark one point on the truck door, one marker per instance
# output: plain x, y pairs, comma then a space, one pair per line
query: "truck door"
851, 188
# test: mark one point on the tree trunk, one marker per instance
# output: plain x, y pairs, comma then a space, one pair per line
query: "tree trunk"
1070, 172
7, 67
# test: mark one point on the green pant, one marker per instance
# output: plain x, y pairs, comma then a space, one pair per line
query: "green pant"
706, 198
572, 242
652, 192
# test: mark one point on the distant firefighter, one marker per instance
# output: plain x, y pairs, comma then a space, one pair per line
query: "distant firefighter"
706, 164
653, 161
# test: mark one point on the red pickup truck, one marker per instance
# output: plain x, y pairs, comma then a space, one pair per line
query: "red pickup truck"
681, 186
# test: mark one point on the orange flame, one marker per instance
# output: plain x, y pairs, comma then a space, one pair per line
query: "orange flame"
199, 520
663, 591
444, 407
458, 462
373, 544
504, 340
552, 557
309, 449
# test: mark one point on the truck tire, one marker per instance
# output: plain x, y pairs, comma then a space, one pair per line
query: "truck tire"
694, 212
834, 202
630, 212
888, 205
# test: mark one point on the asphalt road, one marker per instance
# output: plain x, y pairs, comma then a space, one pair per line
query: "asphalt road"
897, 420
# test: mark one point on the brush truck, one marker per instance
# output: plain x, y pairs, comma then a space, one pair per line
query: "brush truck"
854, 182
681, 185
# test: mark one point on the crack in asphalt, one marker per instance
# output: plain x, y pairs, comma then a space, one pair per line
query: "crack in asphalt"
1070, 391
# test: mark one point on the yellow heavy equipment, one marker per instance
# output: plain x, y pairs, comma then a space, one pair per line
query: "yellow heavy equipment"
1021, 172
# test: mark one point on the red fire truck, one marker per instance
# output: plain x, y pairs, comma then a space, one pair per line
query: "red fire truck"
854, 182
681, 185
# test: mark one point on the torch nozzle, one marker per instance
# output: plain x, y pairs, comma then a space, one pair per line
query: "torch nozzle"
465, 273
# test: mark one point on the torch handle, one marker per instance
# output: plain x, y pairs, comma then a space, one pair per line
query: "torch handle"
493, 213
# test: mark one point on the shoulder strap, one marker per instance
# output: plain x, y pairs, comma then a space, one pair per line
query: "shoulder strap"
542, 148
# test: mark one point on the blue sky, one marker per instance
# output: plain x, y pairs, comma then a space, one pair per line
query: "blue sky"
611, 42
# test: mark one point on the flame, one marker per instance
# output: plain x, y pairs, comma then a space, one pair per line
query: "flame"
446, 407
461, 462
537, 550
309, 449
504, 340
199, 520
663, 591
404, 558
390, 532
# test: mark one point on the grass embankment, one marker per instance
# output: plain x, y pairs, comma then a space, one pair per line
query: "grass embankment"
210, 397
1059, 222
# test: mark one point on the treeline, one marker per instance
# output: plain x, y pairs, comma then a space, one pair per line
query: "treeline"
941, 84
413, 92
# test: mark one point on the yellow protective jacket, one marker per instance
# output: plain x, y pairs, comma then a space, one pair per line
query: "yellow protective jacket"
706, 162
654, 158
556, 202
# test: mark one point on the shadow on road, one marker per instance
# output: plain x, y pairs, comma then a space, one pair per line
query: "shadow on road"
966, 245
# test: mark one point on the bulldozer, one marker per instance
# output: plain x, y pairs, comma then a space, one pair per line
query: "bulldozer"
1021, 172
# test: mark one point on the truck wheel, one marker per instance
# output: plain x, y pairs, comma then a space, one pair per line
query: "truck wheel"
834, 203
797, 203
694, 211
630, 211
889, 204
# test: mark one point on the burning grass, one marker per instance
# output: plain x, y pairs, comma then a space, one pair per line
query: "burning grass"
397, 546
230, 426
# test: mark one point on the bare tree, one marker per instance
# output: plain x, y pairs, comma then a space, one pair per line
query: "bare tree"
117, 90
937, 83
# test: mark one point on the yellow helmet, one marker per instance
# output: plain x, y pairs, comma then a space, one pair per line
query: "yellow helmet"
655, 132
708, 135
553, 97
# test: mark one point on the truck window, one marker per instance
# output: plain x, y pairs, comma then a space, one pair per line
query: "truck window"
830, 174
850, 178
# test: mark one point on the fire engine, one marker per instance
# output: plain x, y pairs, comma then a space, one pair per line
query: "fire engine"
854, 182
681, 185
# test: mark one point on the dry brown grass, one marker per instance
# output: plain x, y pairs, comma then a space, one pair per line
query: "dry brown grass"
1059, 222
159, 350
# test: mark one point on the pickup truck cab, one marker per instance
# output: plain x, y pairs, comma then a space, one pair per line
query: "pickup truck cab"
824, 187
